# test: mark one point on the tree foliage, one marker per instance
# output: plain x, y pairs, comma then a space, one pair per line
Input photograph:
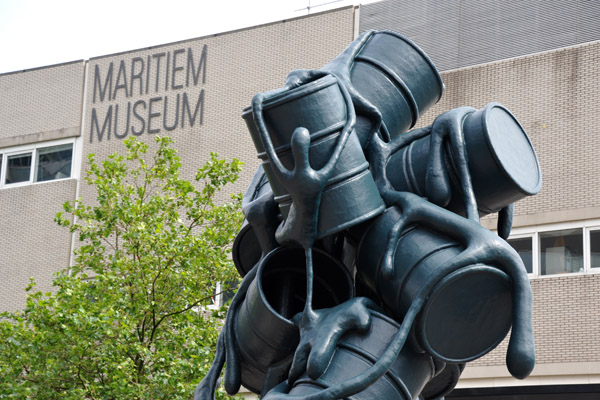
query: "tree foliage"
124, 321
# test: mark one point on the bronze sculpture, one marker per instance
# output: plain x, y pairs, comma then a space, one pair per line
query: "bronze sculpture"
366, 271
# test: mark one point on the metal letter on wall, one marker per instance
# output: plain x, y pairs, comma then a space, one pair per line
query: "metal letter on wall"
366, 271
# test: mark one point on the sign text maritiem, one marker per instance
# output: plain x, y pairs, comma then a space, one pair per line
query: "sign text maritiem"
168, 88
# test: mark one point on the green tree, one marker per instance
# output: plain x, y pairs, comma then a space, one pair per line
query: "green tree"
125, 321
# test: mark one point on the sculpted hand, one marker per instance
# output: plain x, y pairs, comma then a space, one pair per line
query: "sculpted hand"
321, 332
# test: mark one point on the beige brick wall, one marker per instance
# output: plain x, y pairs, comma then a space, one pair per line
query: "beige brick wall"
32, 245
41, 100
36, 105
239, 64
566, 322
555, 96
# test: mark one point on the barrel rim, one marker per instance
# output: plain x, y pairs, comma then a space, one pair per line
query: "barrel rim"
423, 54
421, 324
487, 109
276, 252
305, 89
238, 261
261, 292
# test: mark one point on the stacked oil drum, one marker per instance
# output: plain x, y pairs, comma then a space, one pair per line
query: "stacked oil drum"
377, 88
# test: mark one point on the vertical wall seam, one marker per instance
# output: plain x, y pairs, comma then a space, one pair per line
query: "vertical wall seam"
78, 155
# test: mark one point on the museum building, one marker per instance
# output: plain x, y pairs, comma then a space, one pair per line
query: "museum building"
540, 59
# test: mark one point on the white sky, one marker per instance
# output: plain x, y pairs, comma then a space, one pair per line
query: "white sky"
36, 33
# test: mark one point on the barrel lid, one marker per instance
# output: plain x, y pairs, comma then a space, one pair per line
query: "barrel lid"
467, 315
511, 148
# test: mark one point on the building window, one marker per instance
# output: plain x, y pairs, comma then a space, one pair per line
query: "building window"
54, 163
18, 168
565, 248
561, 251
38, 162
595, 249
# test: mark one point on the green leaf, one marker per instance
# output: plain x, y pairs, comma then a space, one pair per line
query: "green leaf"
122, 322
